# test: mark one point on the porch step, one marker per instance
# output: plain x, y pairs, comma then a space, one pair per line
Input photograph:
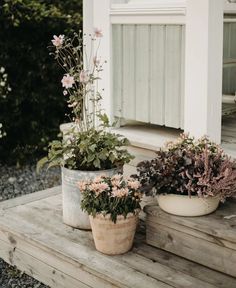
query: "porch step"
209, 240
33, 237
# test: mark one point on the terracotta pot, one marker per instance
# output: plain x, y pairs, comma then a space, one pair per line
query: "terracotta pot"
114, 238
183, 205
71, 196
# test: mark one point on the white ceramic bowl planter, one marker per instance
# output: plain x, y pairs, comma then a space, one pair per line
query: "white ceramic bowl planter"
114, 238
71, 196
182, 205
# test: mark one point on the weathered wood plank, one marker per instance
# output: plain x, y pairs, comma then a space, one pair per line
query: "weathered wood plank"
186, 266
166, 274
214, 224
37, 269
92, 262
30, 197
213, 256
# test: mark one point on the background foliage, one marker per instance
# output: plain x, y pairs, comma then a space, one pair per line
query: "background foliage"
35, 107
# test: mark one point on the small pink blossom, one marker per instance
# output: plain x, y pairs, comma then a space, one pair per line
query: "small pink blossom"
123, 192
73, 104
96, 61
83, 76
98, 188
134, 184
98, 32
57, 41
67, 81
82, 186
99, 178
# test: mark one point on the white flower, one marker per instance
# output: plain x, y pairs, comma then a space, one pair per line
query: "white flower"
2, 83
67, 81
65, 92
2, 69
57, 41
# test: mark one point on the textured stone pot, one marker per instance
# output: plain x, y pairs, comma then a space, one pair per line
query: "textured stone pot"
113, 238
71, 196
182, 205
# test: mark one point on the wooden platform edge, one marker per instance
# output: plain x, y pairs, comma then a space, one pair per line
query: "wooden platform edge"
21, 200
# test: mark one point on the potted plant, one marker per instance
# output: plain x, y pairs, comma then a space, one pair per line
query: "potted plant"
113, 205
88, 146
190, 177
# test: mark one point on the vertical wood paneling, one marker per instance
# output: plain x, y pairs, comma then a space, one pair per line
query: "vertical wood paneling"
117, 56
182, 77
233, 55
226, 55
172, 76
150, 59
157, 68
129, 90
142, 73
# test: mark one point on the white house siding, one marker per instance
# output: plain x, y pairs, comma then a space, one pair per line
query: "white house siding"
229, 74
148, 73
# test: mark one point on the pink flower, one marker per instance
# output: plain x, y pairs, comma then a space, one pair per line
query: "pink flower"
98, 33
83, 76
67, 81
96, 61
98, 188
133, 184
123, 192
57, 41
82, 186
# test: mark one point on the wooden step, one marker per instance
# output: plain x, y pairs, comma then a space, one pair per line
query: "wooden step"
33, 237
209, 240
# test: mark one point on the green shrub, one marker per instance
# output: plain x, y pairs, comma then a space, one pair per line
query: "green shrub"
35, 107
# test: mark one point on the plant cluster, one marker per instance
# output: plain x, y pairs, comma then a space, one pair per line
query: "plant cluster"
82, 68
189, 167
111, 196
4, 91
34, 109
88, 145
88, 150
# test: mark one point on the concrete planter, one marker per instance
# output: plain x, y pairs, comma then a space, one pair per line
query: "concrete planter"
182, 205
71, 196
113, 238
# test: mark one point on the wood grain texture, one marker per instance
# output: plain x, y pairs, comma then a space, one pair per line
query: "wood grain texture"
33, 237
209, 240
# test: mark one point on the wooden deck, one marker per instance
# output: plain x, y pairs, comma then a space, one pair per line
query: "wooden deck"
33, 237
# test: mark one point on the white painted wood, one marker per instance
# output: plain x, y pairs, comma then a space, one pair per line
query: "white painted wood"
101, 20
157, 68
117, 69
203, 68
129, 68
148, 137
173, 76
151, 63
142, 73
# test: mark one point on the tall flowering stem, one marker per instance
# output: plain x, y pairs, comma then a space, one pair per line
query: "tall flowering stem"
82, 67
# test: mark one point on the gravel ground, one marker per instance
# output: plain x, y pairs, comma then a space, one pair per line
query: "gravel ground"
15, 182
